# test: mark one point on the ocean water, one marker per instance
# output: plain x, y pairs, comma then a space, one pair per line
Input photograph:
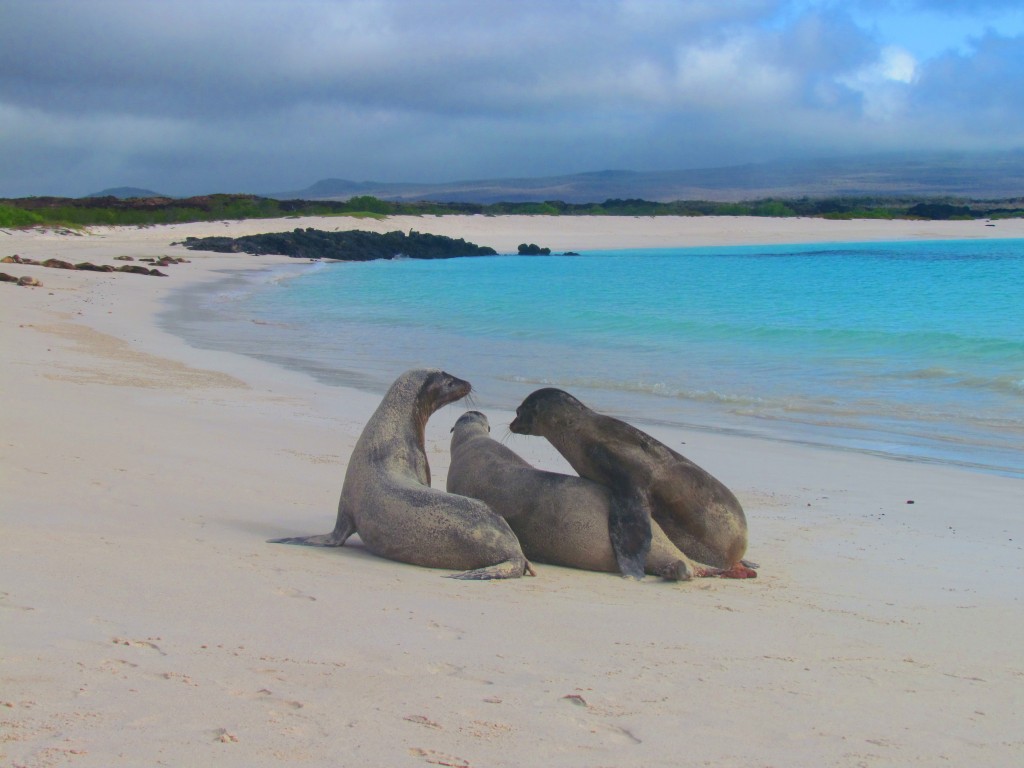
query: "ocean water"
913, 350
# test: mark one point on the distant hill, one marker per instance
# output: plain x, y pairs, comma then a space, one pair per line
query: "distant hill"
126, 193
963, 175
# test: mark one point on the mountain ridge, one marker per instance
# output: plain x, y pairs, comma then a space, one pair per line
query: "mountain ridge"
988, 175
126, 193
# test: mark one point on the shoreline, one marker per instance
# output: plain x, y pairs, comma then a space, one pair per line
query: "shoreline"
686, 413
173, 318
141, 477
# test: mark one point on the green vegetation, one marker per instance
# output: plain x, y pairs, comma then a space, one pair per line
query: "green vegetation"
77, 212
11, 216
57, 211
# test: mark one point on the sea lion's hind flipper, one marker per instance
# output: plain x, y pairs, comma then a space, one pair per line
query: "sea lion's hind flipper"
509, 569
740, 570
686, 570
344, 528
629, 527
320, 540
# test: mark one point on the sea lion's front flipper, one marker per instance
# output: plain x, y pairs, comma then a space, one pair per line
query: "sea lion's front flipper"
629, 526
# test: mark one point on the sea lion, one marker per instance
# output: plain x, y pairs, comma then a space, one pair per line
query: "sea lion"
697, 512
559, 519
387, 499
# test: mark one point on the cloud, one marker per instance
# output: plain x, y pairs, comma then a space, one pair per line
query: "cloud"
979, 94
883, 84
194, 96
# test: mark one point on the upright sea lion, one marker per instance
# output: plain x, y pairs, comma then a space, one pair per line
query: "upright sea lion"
387, 499
697, 512
559, 519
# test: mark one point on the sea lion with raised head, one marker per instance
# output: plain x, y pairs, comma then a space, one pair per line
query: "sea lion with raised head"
387, 499
559, 519
696, 511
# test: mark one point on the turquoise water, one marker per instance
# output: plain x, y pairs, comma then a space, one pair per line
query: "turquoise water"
914, 350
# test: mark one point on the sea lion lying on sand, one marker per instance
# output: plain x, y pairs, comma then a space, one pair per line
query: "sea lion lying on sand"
559, 519
387, 499
697, 512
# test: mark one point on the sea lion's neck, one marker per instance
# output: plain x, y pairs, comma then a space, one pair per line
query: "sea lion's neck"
419, 417
560, 428
462, 435
566, 416
417, 455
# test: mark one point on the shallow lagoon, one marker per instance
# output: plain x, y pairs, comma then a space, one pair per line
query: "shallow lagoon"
911, 349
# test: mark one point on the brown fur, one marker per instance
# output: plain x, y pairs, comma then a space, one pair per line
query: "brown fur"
697, 512
387, 499
559, 519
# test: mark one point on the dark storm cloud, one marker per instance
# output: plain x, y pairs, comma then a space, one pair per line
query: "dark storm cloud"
163, 58
264, 96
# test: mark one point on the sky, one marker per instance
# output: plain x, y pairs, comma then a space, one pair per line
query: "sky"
193, 97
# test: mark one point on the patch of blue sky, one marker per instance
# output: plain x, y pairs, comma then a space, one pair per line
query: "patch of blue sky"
923, 28
926, 34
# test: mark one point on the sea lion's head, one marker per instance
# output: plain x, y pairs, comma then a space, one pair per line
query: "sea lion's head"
472, 421
544, 408
469, 426
439, 388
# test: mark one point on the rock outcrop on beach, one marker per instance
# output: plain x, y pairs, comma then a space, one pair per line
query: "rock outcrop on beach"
532, 249
351, 245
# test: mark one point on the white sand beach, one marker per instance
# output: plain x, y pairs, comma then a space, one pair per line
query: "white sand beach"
145, 621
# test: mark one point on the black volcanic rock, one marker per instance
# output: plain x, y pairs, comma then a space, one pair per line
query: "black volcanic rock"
352, 245
532, 249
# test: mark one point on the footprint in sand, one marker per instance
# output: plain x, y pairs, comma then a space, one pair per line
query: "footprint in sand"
621, 735
487, 730
422, 720
290, 592
118, 667
179, 677
148, 643
445, 631
595, 713
444, 668
266, 693
439, 758
5, 604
